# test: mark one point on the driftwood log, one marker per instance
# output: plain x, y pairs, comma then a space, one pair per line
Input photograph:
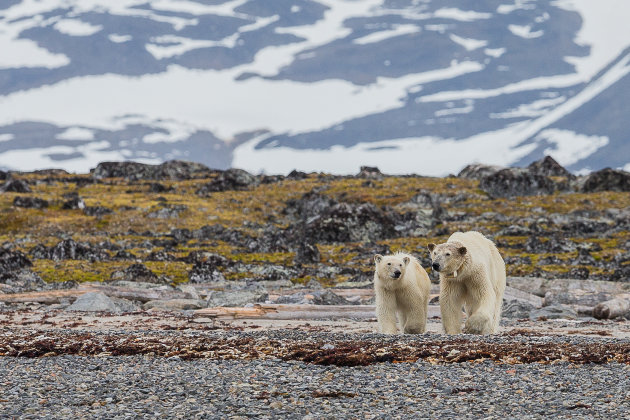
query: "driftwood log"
56, 296
613, 308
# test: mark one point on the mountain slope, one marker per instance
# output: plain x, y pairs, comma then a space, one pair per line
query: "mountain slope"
409, 86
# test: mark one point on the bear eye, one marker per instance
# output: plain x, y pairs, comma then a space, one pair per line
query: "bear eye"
448, 254
399, 265
389, 263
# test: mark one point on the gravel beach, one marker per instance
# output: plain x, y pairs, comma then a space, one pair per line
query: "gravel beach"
236, 374
152, 387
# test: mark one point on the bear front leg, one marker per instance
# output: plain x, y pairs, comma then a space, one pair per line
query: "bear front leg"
416, 324
479, 323
451, 310
481, 318
386, 312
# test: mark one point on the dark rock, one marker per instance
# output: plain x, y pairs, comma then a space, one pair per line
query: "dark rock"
30, 202
232, 179
74, 202
547, 166
156, 187
21, 281
68, 249
369, 172
307, 254
4, 175
583, 226
97, 211
13, 260
607, 180
327, 297
171, 170
349, 223
138, 273
478, 171
514, 182
15, 185
205, 272
210, 258
580, 273
295, 174
309, 205
181, 235
124, 255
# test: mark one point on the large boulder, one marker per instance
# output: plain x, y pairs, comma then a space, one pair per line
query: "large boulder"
547, 166
138, 273
232, 179
607, 180
30, 202
15, 185
351, 223
93, 302
514, 182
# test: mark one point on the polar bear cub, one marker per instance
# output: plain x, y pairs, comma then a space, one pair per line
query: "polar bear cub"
402, 288
472, 275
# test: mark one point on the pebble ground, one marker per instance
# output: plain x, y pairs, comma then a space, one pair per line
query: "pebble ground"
126, 387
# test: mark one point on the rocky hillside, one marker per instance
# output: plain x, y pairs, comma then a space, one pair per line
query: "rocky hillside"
182, 222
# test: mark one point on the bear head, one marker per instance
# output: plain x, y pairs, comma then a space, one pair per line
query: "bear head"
391, 267
448, 257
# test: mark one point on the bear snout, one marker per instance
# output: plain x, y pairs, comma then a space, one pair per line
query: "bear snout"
396, 274
436, 266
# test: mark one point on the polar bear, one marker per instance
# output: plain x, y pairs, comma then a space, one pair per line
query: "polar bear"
402, 288
472, 275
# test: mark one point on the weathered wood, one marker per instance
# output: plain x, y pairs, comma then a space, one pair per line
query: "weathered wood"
48, 297
56, 296
613, 308
293, 312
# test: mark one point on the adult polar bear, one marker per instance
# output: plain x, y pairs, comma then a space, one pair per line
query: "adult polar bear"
472, 275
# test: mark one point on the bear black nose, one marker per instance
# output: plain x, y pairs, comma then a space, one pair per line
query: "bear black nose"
436, 266
396, 274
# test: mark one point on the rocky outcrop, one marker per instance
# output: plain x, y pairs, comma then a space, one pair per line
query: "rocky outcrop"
30, 202
549, 167
607, 180
15, 185
133, 171
232, 179
514, 182
478, 171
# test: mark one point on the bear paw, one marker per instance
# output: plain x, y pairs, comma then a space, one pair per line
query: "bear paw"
414, 329
478, 324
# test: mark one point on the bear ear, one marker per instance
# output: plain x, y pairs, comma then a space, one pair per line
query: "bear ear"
431, 247
462, 250
406, 260
378, 258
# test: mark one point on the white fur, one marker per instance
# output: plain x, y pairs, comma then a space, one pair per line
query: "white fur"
406, 296
474, 280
